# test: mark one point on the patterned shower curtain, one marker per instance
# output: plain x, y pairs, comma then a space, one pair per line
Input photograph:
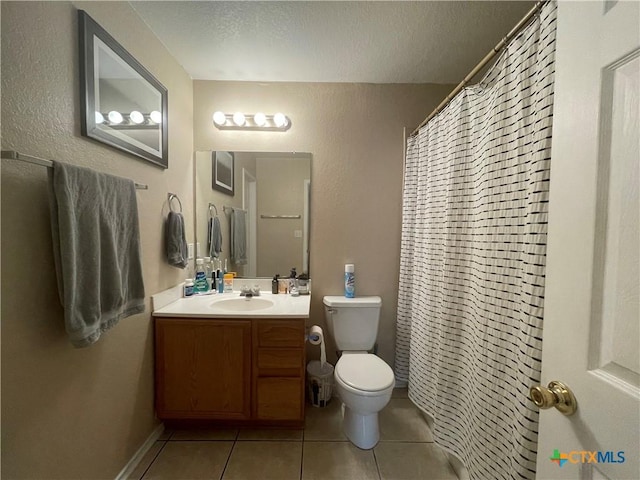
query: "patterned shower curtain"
469, 327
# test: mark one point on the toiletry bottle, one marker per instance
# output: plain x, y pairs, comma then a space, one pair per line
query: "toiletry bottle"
293, 283
200, 285
228, 283
349, 280
207, 270
188, 287
219, 282
274, 284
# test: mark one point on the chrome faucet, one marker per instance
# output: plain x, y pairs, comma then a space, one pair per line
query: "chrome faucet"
246, 291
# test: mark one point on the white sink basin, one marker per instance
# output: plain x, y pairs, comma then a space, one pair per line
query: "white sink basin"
242, 304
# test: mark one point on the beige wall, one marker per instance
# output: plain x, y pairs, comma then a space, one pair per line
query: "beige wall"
69, 413
355, 134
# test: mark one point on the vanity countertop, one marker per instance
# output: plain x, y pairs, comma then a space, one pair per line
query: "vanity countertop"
232, 305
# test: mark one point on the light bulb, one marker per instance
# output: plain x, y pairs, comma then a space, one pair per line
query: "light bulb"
99, 118
280, 120
115, 117
219, 118
238, 119
260, 119
155, 116
136, 117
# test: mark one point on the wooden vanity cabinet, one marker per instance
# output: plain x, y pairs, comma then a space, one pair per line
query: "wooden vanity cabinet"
278, 370
234, 370
203, 368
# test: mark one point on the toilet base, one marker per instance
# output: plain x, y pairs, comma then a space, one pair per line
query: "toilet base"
361, 430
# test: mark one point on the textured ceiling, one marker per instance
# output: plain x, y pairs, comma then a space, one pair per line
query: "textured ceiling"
292, 41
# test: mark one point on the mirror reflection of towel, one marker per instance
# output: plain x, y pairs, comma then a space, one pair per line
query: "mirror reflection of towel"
214, 237
239, 236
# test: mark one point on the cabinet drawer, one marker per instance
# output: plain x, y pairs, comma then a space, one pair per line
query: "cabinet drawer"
279, 398
280, 333
280, 361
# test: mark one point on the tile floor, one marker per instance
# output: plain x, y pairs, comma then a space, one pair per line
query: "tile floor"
319, 452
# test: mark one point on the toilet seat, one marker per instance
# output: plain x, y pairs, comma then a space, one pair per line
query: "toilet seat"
364, 372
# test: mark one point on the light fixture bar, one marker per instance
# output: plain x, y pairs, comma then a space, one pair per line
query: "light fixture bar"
277, 122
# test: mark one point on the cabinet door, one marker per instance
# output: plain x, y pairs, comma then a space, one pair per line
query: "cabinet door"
279, 398
203, 368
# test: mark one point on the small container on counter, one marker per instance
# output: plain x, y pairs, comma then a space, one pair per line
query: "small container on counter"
188, 287
228, 282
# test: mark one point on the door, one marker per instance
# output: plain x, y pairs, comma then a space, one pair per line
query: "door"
591, 333
249, 203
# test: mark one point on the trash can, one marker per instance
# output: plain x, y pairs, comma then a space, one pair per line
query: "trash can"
319, 382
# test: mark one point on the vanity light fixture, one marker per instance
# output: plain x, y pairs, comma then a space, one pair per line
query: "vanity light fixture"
278, 122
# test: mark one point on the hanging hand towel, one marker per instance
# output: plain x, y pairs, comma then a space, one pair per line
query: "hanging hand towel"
239, 236
215, 237
96, 243
175, 240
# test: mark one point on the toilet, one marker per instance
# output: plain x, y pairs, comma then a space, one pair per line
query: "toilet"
363, 381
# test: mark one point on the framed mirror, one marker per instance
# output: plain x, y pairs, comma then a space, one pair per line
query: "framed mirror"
273, 188
123, 105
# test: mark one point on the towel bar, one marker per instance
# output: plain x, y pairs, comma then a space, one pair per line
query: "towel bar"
13, 155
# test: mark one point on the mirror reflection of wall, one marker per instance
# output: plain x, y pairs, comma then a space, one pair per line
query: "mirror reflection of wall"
274, 189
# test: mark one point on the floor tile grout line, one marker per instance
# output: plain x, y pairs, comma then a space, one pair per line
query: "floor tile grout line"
375, 458
302, 461
226, 464
164, 444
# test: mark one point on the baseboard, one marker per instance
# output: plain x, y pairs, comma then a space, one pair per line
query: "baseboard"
137, 457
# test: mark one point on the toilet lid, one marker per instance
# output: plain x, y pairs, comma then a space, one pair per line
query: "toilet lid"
364, 372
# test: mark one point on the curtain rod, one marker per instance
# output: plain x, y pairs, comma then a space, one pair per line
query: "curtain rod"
13, 155
482, 63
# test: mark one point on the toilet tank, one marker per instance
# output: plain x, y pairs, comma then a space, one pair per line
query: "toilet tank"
353, 322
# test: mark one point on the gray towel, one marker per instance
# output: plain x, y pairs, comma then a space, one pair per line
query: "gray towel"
215, 237
96, 247
175, 240
239, 236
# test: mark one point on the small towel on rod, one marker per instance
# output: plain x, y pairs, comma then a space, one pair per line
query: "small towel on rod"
175, 240
238, 236
215, 237
96, 246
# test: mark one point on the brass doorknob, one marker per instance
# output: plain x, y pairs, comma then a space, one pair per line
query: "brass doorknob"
557, 394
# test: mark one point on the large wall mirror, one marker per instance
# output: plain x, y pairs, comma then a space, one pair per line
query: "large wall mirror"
123, 105
273, 191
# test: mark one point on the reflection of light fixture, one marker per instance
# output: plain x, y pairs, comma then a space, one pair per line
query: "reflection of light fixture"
136, 117
155, 116
115, 117
258, 121
129, 121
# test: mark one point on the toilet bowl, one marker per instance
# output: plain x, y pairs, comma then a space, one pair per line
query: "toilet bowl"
364, 383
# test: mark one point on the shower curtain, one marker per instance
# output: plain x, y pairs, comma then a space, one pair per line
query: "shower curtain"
469, 327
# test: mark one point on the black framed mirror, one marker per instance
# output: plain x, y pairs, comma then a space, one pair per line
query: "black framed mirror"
123, 105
